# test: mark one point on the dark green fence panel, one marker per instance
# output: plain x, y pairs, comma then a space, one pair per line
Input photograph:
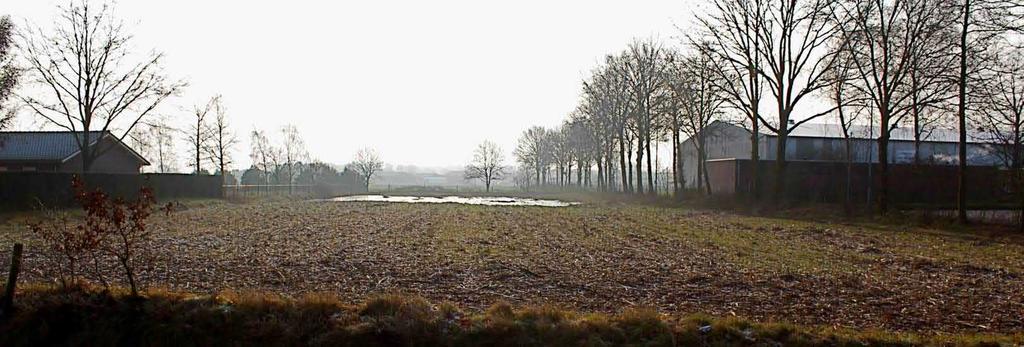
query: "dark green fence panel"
27, 190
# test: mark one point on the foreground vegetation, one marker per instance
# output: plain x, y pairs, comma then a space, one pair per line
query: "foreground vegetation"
86, 317
609, 257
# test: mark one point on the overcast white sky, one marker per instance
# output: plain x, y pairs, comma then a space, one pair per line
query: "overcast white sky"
421, 81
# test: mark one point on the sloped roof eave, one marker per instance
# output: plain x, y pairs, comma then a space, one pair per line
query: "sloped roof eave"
118, 141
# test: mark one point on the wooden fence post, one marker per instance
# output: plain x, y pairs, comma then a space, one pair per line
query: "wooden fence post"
12, 281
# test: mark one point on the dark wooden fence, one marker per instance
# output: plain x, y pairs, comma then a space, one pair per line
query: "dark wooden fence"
811, 181
26, 190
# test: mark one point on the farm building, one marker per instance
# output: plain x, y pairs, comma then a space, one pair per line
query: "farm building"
58, 151
824, 143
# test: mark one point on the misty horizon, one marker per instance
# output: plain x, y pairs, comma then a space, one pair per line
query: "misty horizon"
443, 76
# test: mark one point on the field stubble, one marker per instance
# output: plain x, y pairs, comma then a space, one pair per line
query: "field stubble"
595, 257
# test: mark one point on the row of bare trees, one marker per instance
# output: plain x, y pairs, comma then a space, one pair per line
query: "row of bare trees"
918, 64
643, 96
208, 135
288, 162
277, 164
85, 76
927, 63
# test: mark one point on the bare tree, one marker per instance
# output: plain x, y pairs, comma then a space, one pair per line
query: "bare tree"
888, 42
644, 73
366, 164
842, 74
8, 73
562, 153
222, 139
293, 152
488, 164
694, 85
1001, 122
90, 78
794, 37
522, 178
675, 117
199, 134
931, 66
262, 153
154, 139
979, 25
581, 139
730, 36
531, 152
607, 103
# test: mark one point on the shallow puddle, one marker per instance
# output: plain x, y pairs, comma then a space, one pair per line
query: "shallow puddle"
489, 201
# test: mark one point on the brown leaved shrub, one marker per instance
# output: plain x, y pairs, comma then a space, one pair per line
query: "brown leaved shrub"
112, 229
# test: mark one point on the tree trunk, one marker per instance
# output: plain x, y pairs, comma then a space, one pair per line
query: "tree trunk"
87, 150
629, 166
639, 165
130, 274
755, 160
700, 169
961, 192
915, 110
780, 166
220, 161
622, 164
675, 160
883, 163
568, 174
1016, 168
847, 203
587, 176
651, 189
702, 153
609, 171
580, 175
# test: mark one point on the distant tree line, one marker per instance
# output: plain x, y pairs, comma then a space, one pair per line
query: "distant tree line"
85, 75
636, 99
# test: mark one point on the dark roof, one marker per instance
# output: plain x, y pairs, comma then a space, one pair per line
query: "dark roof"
56, 146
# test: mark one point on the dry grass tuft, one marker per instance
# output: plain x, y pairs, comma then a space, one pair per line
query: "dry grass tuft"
86, 316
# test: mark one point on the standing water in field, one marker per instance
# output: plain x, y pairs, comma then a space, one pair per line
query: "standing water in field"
489, 201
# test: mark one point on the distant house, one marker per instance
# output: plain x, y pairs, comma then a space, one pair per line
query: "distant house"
825, 143
58, 151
